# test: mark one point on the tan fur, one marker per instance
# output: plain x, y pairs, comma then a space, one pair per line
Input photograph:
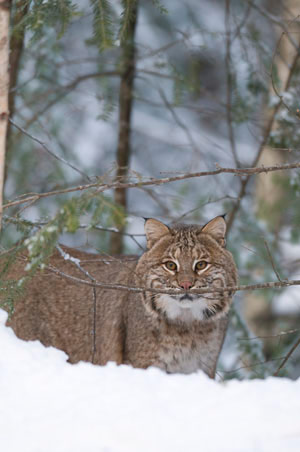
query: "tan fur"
177, 333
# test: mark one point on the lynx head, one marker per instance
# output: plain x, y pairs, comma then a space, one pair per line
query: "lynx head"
182, 258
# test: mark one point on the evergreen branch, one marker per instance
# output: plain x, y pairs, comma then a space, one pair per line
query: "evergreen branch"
21, 221
51, 14
103, 24
152, 181
128, 15
162, 9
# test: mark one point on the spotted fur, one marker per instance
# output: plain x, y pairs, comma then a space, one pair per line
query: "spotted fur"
185, 245
181, 332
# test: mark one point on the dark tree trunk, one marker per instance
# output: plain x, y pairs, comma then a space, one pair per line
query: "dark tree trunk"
125, 108
16, 50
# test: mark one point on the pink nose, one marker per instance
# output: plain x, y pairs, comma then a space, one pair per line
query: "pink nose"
186, 285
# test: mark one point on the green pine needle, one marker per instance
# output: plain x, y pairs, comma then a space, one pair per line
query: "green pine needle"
103, 24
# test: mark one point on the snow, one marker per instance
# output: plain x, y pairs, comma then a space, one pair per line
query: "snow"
288, 302
49, 405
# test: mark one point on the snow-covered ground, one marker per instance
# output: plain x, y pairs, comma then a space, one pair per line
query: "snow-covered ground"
48, 405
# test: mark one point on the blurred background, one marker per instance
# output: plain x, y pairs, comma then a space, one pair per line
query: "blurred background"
103, 92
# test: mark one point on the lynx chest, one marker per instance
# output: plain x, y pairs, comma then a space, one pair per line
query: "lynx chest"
189, 352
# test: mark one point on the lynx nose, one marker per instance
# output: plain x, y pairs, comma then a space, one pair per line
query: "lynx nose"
186, 285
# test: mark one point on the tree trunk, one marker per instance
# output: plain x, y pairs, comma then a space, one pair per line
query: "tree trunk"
5, 7
125, 108
16, 50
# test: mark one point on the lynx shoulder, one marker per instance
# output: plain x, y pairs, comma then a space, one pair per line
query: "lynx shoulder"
168, 324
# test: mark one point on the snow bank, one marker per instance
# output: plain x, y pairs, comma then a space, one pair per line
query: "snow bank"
48, 405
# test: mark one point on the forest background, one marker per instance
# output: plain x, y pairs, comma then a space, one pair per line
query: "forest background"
112, 111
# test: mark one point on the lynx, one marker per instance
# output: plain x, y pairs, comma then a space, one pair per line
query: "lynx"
179, 331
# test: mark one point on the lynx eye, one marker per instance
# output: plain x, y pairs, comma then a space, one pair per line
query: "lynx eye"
170, 265
201, 265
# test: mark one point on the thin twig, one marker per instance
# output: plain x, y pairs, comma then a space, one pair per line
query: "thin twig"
277, 21
76, 262
229, 85
242, 23
62, 91
263, 143
272, 260
202, 290
260, 363
287, 357
160, 181
60, 159
272, 336
180, 123
280, 97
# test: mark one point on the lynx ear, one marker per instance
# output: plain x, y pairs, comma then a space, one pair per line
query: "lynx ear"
217, 229
154, 230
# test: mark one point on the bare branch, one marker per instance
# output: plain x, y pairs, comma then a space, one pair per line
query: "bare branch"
239, 27
272, 260
180, 123
202, 290
287, 357
62, 91
60, 159
156, 74
263, 143
260, 363
277, 21
280, 97
76, 262
152, 181
272, 336
229, 84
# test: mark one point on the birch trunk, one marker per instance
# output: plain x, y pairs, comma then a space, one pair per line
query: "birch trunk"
4, 87
269, 192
